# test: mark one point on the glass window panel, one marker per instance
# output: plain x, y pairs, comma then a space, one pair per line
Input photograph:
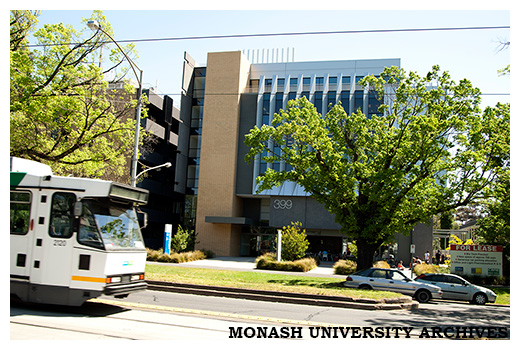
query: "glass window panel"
62, 215
20, 212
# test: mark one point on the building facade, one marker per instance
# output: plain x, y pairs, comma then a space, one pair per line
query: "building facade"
221, 103
166, 199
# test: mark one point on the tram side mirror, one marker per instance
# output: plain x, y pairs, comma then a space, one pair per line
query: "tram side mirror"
78, 208
143, 219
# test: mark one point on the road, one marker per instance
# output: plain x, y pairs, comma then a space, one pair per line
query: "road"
161, 315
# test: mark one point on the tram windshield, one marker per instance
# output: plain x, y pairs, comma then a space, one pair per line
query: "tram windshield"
110, 226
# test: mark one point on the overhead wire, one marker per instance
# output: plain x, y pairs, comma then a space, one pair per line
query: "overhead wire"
235, 36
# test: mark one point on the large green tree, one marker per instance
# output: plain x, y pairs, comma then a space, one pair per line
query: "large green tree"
430, 150
61, 110
495, 226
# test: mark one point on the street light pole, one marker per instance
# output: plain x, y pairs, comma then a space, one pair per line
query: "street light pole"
137, 130
94, 25
166, 165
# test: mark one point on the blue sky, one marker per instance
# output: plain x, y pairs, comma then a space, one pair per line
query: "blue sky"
465, 54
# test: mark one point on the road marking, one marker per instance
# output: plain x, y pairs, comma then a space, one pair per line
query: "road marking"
215, 314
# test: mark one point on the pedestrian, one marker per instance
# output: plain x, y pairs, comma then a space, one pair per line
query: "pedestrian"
427, 257
438, 257
413, 262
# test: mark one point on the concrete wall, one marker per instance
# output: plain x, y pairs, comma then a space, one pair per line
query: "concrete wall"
306, 210
421, 236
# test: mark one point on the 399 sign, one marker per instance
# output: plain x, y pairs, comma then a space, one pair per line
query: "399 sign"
282, 204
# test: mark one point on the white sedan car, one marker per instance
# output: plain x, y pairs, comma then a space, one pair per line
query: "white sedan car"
457, 288
392, 280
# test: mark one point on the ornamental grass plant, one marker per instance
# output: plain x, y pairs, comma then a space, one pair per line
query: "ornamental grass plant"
268, 262
159, 256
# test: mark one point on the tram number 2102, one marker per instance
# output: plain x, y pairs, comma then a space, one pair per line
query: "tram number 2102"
60, 243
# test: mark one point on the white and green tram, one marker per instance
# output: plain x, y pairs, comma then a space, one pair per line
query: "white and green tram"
73, 239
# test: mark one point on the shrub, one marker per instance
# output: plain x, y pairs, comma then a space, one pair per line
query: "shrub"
179, 241
158, 255
419, 269
208, 253
486, 280
345, 267
294, 242
268, 262
381, 264
152, 255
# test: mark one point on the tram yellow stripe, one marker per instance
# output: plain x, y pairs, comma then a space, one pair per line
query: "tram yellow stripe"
88, 279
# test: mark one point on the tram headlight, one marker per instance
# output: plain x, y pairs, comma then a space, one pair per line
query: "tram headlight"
114, 279
137, 277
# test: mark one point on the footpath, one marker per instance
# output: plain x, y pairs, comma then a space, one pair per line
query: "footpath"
247, 264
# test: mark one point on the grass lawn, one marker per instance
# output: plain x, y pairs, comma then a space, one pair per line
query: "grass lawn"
260, 280
503, 295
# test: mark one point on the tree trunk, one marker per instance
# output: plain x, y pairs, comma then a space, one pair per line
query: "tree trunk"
365, 253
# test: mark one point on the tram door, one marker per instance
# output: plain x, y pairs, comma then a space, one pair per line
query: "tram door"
22, 209
52, 246
57, 237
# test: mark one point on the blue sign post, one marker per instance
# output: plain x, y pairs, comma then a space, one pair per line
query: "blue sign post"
167, 238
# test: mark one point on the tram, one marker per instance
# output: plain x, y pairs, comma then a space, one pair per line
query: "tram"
73, 239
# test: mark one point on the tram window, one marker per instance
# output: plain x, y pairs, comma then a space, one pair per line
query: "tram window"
19, 212
88, 231
62, 217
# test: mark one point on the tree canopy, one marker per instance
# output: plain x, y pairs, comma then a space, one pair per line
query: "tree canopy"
430, 149
62, 112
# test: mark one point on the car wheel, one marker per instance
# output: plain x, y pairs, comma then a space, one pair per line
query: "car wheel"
480, 299
365, 287
423, 296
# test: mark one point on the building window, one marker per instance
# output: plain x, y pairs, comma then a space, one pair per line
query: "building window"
345, 82
253, 85
199, 83
358, 79
268, 85
196, 117
294, 84
263, 163
358, 100
318, 101
345, 100
319, 83
306, 84
194, 150
333, 83
192, 180
266, 101
292, 95
280, 84
278, 102
331, 100
373, 104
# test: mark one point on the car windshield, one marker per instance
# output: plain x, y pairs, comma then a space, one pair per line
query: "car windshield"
110, 226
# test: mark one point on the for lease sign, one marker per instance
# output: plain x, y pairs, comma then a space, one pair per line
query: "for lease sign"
476, 259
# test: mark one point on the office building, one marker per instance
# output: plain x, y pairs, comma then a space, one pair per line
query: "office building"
225, 99
166, 199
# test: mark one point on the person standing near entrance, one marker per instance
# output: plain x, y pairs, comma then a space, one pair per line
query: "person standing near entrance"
427, 257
